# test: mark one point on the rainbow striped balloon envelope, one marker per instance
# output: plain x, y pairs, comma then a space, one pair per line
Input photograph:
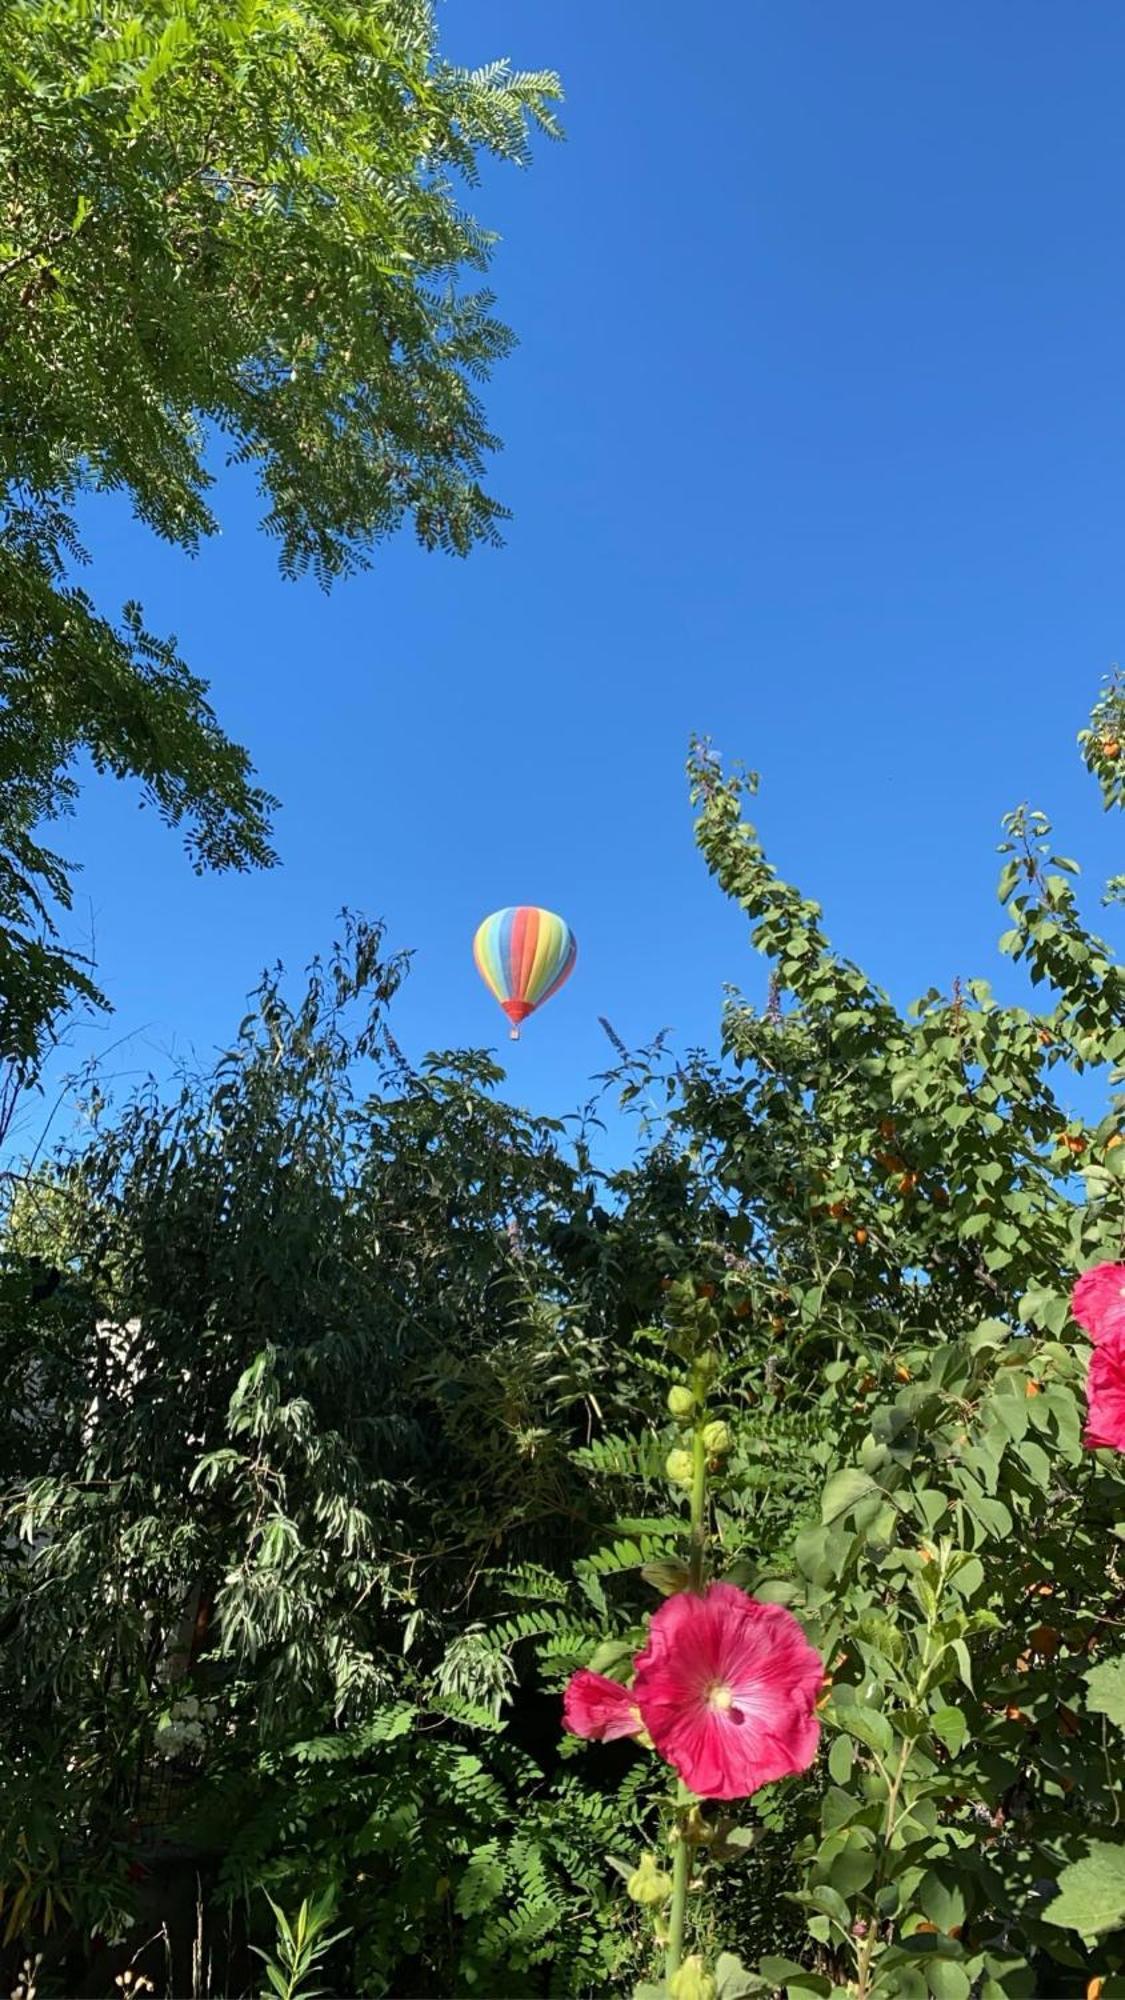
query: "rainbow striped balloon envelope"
524, 955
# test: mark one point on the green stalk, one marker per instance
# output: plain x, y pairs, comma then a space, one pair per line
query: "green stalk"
681, 1871
698, 1503
681, 1865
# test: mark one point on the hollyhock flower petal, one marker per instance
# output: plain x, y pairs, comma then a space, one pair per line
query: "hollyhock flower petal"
1105, 1396
601, 1708
727, 1689
1098, 1301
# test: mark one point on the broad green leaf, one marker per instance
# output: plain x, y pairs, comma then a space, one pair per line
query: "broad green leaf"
733, 1980
1091, 1898
778, 1590
843, 1491
786, 1973
968, 1577
852, 1868
839, 1807
828, 1900
990, 1333
1106, 1690
947, 1980
941, 1901
868, 1725
950, 1726
993, 1516
840, 1759
1034, 1457
931, 1505
964, 1664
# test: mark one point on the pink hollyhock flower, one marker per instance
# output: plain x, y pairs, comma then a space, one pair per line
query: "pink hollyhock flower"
1105, 1396
1098, 1301
601, 1708
727, 1689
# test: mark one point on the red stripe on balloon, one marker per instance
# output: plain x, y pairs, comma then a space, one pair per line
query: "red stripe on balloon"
530, 944
515, 955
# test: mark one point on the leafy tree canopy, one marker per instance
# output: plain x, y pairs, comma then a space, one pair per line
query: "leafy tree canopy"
235, 218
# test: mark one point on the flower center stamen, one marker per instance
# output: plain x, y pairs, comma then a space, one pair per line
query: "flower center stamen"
720, 1697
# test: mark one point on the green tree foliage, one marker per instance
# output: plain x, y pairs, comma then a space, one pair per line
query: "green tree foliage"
336, 1438
229, 227
909, 1198
291, 1413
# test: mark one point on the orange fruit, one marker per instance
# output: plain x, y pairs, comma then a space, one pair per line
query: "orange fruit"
902, 1372
1031, 1388
861, 1237
908, 1183
1045, 1038
838, 1210
1094, 1988
1115, 1139
1111, 748
1044, 1640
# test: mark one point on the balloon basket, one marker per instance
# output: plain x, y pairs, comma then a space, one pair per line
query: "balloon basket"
513, 1034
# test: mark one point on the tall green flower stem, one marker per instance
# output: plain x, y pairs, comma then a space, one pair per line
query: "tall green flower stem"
681, 1876
698, 1506
681, 1866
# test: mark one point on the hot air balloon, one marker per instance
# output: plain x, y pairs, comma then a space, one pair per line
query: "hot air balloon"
524, 955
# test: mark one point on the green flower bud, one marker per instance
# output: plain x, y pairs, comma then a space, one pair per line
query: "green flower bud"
648, 1884
717, 1439
681, 1402
692, 1981
707, 1364
680, 1467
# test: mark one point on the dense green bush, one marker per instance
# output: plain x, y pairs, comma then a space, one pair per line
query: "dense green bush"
335, 1438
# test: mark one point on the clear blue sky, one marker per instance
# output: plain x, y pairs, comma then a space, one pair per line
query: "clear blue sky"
814, 439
